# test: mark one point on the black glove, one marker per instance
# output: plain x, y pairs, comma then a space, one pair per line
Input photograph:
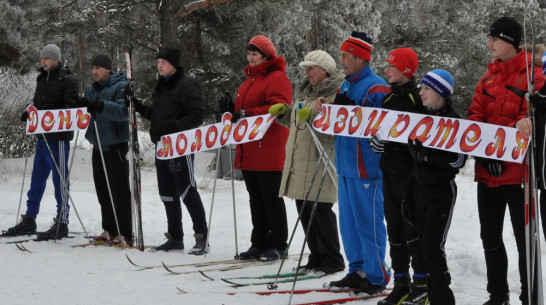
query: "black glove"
492, 166
238, 115
343, 99
83, 102
139, 107
377, 145
95, 107
416, 149
24, 116
226, 103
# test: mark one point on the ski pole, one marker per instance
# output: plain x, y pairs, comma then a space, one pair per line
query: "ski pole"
233, 200
328, 164
274, 285
308, 229
212, 199
21, 194
107, 180
67, 192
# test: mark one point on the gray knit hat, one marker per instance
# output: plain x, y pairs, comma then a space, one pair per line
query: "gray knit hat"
51, 51
321, 59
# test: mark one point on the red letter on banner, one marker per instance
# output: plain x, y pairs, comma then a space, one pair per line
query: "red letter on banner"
466, 141
522, 142
181, 150
238, 136
83, 119
372, 128
48, 121
324, 119
226, 130
167, 149
356, 120
256, 128
445, 128
33, 119
208, 141
196, 146
498, 145
427, 122
402, 118
65, 120
341, 118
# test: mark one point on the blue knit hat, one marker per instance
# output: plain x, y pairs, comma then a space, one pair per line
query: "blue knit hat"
544, 63
440, 81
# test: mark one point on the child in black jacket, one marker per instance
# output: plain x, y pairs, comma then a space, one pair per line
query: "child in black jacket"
434, 191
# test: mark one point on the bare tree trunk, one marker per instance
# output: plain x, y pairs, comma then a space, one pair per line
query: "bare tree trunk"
167, 23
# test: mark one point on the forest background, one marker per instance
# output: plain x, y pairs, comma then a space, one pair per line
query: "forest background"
213, 35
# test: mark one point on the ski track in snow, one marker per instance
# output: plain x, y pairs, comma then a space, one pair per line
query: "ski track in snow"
55, 273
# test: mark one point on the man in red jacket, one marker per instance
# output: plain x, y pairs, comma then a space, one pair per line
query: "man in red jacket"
499, 99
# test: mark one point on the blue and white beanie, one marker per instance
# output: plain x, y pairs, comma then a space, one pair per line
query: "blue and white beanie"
544, 63
440, 81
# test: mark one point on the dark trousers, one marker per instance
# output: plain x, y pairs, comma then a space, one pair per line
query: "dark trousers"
404, 241
175, 179
323, 238
492, 204
433, 215
270, 227
117, 168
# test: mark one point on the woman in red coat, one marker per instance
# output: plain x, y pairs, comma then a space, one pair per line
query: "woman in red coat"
261, 162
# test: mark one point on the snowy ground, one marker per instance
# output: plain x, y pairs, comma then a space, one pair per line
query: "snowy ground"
55, 273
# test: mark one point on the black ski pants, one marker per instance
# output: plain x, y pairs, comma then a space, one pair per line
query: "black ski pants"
323, 238
117, 168
267, 209
175, 180
404, 241
433, 214
492, 202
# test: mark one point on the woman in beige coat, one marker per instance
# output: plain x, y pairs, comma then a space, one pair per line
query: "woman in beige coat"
302, 156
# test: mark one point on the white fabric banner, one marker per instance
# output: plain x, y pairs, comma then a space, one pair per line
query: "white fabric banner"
450, 134
56, 120
213, 136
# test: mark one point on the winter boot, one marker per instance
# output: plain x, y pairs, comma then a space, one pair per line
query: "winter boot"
103, 239
273, 254
498, 300
358, 281
121, 242
251, 253
418, 292
399, 292
25, 226
52, 233
171, 245
201, 247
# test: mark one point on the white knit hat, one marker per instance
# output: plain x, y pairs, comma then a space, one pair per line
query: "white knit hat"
321, 59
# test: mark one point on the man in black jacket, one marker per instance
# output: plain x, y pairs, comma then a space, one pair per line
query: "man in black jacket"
177, 106
56, 88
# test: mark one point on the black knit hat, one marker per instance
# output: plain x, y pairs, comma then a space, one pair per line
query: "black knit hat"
507, 29
170, 54
102, 61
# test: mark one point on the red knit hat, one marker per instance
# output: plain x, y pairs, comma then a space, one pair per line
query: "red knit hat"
358, 44
405, 60
265, 45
